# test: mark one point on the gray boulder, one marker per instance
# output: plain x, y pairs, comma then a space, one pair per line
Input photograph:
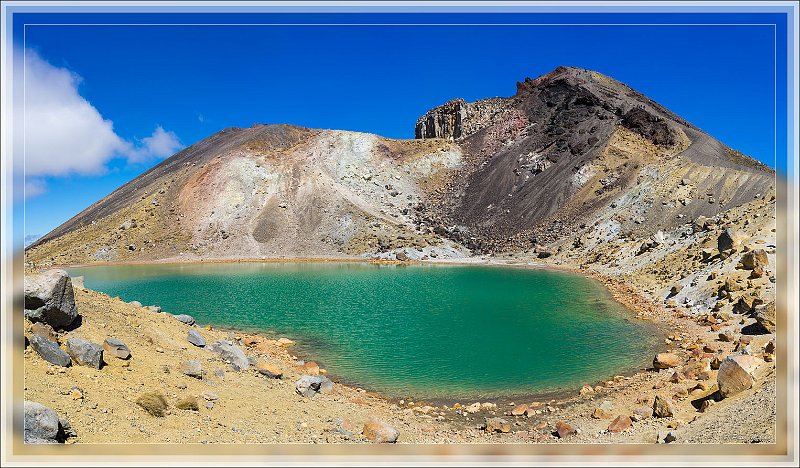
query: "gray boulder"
41, 424
49, 298
765, 316
187, 319
192, 368
195, 338
231, 353
310, 385
116, 348
50, 351
85, 352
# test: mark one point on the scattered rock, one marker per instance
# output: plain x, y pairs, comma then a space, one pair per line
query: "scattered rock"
40, 424
765, 316
187, 319
519, 410
728, 240
586, 390
195, 338
736, 374
153, 402
563, 429
310, 385
49, 298
269, 370
675, 289
208, 395
135, 303
285, 342
231, 353
192, 368
116, 348
473, 408
642, 412
620, 424
379, 432
666, 437
662, 407
496, 425
45, 331
188, 403
666, 360
603, 411
755, 259
85, 352
310, 368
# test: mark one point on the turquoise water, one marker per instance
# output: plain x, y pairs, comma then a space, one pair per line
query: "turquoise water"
409, 330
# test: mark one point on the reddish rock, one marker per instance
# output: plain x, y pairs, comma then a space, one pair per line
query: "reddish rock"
666, 360
620, 424
564, 429
310, 368
269, 370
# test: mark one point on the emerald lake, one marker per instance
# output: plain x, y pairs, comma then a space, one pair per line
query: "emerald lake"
424, 331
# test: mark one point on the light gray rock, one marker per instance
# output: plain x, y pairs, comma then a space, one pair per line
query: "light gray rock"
232, 354
153, 308
116, 348
77, 282
135, 303
41, 424
50, 351
85, 352
195, 338
309, 385
192, 368
187, 319
49, 298
765, 316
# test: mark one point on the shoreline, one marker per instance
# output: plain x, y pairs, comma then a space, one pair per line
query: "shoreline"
638, 307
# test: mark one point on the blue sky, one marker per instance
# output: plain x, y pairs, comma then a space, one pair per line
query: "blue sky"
164, 87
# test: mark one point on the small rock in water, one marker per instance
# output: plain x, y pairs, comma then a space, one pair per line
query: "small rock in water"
116, 348
195, 338
50, 351
85, 352
379, 432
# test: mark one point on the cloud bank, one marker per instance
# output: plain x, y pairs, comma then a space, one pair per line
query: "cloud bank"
65, 134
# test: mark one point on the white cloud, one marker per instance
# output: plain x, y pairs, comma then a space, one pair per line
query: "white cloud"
34, 187
158, 145
65, 134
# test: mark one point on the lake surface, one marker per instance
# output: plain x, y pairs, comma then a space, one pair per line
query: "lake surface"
424, 331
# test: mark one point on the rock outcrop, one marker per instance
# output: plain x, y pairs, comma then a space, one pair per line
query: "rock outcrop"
49, 298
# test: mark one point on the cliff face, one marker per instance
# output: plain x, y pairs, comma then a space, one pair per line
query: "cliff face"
571, 150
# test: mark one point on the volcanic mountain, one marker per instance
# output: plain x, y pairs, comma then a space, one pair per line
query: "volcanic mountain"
572, 153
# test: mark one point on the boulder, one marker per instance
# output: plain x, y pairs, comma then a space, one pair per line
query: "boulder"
519, 410
50, 351
765, 316
310, 368
736, 374
310, 385
41, 424
187, 319
666, 360
269, 370
77, 282
192, 368
379, 432
662, 407
113, 347
45, 331
642, 412
153, 402
195, 338
563, 429
728, 240
49, 298
85, 352
603, 411
496, 425
231, 353
620, 424
755, 259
